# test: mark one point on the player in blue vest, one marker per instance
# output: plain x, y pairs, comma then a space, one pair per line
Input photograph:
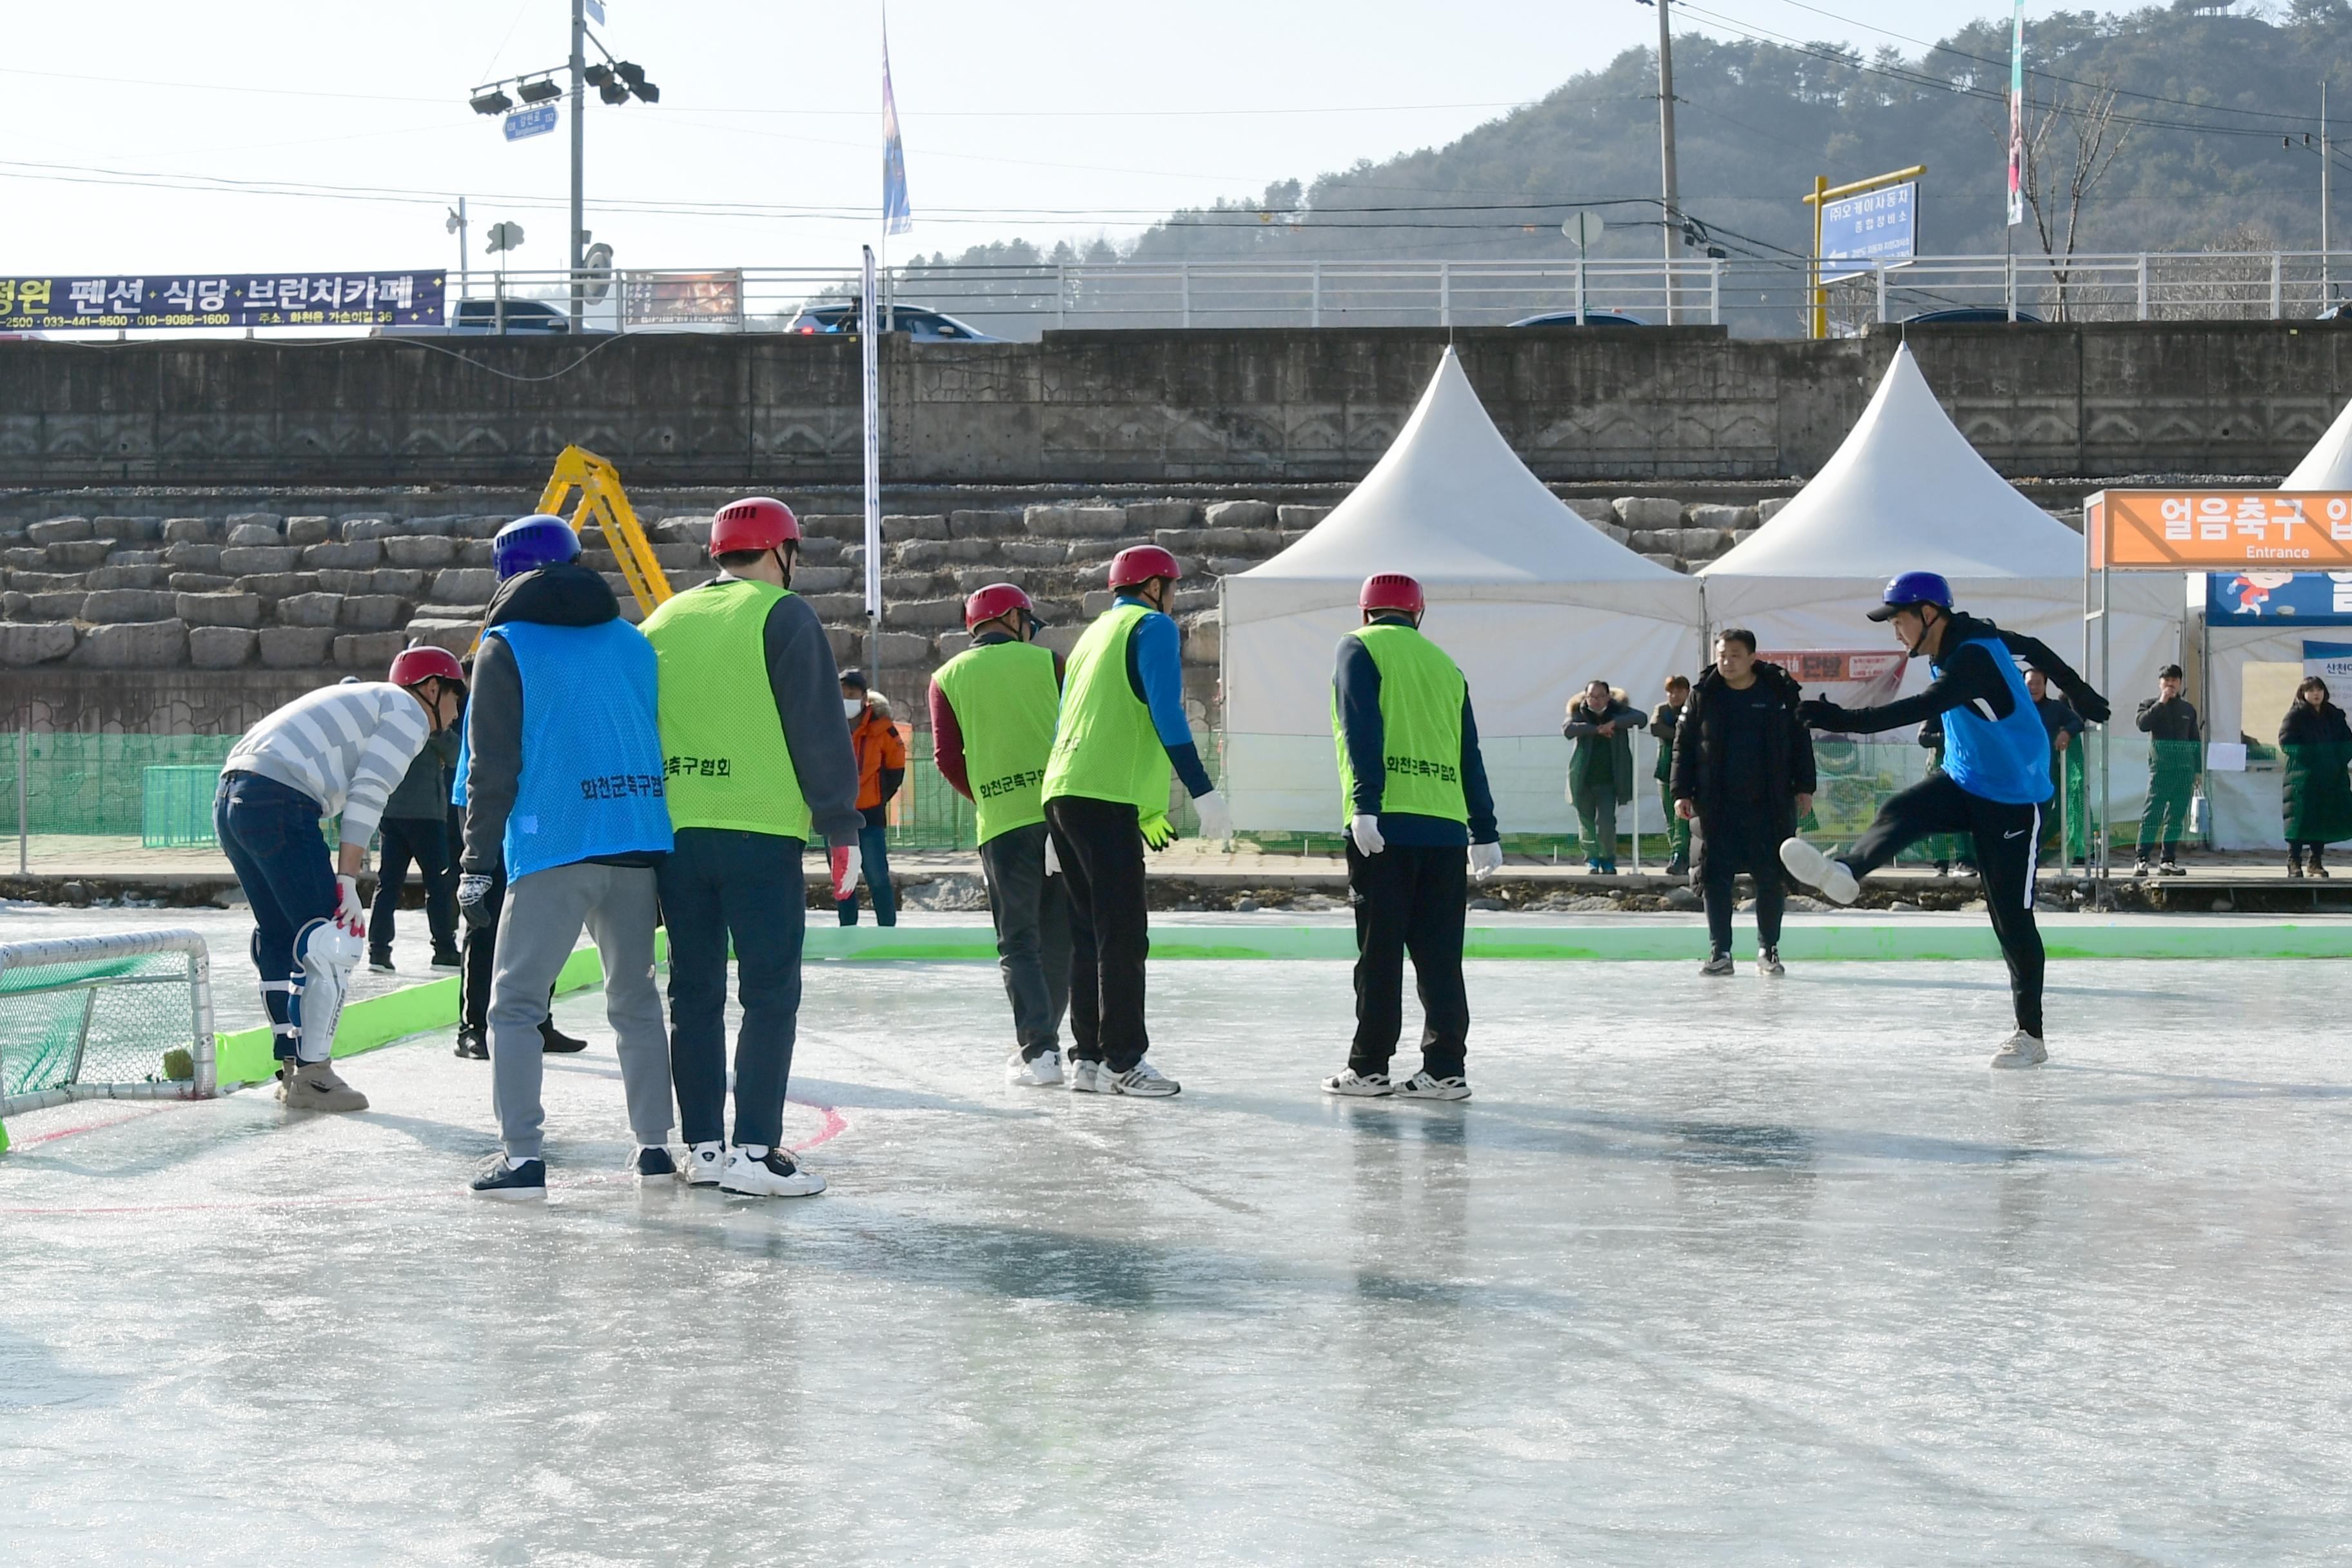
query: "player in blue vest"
564, 792
1994, 780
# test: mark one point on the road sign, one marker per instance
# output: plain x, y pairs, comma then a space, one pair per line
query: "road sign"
1584, 229
2196, 530
1872, 226
536, 121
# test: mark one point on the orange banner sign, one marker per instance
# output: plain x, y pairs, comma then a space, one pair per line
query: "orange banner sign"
2201, 531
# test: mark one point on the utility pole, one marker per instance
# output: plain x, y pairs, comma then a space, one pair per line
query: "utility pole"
574, 251
1672, 225
2327, 275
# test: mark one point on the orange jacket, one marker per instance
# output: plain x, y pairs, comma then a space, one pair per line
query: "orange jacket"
880, 750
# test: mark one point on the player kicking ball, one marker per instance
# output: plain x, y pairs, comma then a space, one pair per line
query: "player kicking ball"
1996, 774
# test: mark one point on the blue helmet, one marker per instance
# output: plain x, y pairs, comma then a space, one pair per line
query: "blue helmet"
1911, 590
527, 543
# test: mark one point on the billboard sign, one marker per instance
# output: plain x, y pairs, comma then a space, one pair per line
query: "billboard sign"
682, 299
2220, 531
51, 304
1878, 227
2250, 598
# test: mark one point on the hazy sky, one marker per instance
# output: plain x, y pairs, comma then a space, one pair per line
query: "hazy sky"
1040, 117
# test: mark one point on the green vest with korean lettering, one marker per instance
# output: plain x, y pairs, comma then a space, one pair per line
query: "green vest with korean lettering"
1006, 700
1422, 693
723, 751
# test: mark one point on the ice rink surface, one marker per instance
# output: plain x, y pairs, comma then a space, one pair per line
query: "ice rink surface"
1737, 1272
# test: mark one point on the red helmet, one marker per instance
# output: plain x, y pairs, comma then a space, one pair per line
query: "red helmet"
410, 666
1142, 565
755, 522
996, 599
1391, 591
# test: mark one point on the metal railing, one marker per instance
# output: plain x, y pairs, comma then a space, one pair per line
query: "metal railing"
1752, 297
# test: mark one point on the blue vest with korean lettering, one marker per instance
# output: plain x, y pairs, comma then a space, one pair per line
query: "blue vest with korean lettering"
2005, 760
591, 756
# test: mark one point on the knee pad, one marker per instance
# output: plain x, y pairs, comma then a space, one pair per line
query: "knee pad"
326, 953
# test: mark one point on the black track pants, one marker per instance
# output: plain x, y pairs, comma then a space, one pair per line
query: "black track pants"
1409, 898
1101, 850
2008, 842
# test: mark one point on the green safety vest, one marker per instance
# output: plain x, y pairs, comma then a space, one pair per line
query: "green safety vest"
724, 760
1105, 747
1005, 701
1422, 695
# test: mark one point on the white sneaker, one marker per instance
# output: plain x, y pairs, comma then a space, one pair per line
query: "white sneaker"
774, 1174
1364, 1085
1045, 1072
1768, 963
705, 1163
1422, 1086
1083, 1078
2021, 1050
1812, 865
1718, 963
1142, 1081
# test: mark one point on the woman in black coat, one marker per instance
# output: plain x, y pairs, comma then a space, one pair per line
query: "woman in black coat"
2315, 798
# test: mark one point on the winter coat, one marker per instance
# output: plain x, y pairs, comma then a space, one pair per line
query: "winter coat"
1601, 762
2316, 797
1703, 774
881, 759
1663, 723
2171, 728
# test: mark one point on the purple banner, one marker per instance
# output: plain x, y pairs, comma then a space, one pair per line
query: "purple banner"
223, 299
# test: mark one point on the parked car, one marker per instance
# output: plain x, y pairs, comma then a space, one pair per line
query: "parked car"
924, 326
515, 317
1591, 319
1966, 315
2339, 312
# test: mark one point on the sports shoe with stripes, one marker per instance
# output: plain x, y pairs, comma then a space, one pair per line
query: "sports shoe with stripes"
1423, 1084
704, 1164
1142, 1081
1362, 1085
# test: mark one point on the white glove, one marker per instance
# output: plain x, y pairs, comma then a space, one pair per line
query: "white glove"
1216, 816
1485, 859
349, 914
846, 864
1366, 832
1052, 857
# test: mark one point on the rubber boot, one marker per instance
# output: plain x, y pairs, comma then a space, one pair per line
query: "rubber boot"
314, 1086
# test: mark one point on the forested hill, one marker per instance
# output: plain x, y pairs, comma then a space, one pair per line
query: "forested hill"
2192, 100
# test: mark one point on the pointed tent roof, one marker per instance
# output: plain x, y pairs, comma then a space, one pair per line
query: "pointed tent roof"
1451, 502
1904, 492
2328, 465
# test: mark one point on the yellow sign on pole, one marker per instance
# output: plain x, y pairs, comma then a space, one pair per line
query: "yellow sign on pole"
2207, 530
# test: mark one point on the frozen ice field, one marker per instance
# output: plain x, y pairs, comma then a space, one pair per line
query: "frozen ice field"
1736, 1271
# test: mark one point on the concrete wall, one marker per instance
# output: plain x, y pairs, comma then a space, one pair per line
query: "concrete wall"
1155, 409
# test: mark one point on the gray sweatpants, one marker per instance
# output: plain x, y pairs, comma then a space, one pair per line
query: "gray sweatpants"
543, 918
1032, 911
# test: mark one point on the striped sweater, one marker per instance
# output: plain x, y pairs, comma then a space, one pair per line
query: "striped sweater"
344, 746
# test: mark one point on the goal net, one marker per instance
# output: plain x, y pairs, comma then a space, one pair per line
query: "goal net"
87, 1017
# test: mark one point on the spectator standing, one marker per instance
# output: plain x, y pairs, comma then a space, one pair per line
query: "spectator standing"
881, 755
564, 795
2173, 763
993, 707
1744, 772
2316, 796
1412, 790
416, 827
1663, 721
1600, 769
2063, 725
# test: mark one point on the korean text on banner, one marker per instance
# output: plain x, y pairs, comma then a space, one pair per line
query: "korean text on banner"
51, 304
2202, 530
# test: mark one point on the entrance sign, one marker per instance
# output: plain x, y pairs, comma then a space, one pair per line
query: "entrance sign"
2212, 531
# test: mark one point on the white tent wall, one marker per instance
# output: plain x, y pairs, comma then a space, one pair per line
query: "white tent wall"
2245, 806
1523, 660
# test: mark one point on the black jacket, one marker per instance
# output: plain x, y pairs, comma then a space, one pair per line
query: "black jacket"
1703, 772
2167, 721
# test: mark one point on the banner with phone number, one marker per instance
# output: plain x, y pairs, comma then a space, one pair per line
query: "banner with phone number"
223, 299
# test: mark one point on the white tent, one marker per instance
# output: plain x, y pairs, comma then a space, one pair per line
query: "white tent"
1530, 599
1906, 493
2328, 465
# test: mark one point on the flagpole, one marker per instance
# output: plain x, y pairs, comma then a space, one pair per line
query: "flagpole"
869, 365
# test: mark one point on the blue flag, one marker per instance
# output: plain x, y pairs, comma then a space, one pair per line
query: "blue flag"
898, 217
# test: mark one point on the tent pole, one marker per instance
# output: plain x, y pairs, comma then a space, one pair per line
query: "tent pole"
2106, 746
1637, 802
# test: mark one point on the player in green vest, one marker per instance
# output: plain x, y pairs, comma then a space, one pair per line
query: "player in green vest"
756, 758
993, 712
1419, 816
1122, 740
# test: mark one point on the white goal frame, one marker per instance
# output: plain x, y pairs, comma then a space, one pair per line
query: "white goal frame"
204, 1083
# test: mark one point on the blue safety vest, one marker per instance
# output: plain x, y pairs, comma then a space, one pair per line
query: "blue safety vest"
2004, 760
591, 756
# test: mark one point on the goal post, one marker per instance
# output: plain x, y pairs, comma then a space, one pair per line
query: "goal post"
124, 1016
